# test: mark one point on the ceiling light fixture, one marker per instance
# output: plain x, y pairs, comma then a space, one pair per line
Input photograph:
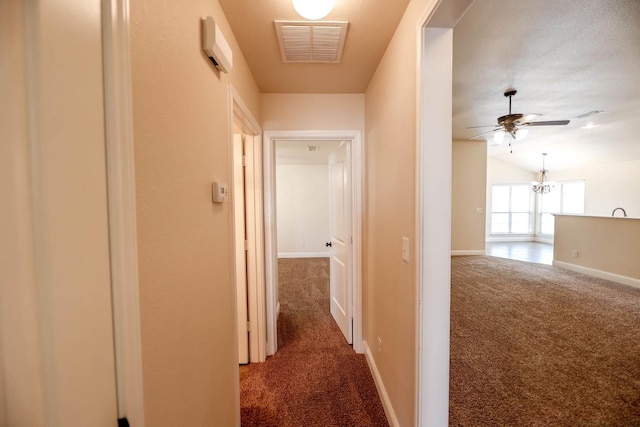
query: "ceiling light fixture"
543, 185
521, 134
313, 9
590, 125
518, 134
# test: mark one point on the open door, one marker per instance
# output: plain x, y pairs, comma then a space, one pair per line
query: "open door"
341, 262
240, 248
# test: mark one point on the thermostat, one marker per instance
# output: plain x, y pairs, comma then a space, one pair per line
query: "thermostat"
219, 192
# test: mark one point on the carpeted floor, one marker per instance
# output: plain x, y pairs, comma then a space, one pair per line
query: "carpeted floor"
534, 345
315, 378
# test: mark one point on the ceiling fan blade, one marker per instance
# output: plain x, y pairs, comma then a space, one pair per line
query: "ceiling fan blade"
480, 134
547, 123
527, 118
484, 126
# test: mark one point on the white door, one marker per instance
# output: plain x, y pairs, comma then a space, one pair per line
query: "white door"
341, 239
240, 252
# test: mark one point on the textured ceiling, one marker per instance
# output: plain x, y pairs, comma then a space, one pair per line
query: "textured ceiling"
371, 25
296, 153
565, 58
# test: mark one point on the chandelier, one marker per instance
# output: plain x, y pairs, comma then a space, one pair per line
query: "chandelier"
543, 185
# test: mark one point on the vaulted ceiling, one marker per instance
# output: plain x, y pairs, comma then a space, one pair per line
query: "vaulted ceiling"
565, 58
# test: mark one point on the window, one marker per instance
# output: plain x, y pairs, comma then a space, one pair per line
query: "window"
511, 208
566, 198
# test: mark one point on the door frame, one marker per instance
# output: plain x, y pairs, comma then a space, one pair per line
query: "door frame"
242, 117
240, 252
271, 250
434, 99
122, 210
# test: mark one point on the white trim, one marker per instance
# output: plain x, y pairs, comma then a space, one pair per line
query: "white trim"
122, 211
382, 391
434, 59
240, 114
237, 203
303, 254
270, 245
624, 280
357, 174
519, 238
435, 225
255, 254
468, 252
540, 239
357, 212
511, 238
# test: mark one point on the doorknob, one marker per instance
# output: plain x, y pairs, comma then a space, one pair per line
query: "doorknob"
328, 244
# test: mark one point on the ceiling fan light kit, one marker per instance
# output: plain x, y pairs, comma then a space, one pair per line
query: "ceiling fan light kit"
514, 123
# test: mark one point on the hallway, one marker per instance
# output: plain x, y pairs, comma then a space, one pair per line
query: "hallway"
315, 378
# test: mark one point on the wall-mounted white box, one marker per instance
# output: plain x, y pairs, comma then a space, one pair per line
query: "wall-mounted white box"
216, 46
219, 192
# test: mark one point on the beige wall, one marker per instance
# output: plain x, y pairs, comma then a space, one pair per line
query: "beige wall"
182, 144
607, 186
312, 111
603, 243
468, 188
499, 172
389, 283
56, 349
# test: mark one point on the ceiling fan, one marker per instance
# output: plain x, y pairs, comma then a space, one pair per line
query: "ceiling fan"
515, 124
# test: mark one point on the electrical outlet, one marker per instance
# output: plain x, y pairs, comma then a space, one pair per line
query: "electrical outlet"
575, 253
379, 345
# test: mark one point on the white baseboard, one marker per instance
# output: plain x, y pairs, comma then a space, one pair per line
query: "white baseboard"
521, 238
548, 240
303, 254
382, 392
469, 252
629, 281
508, 238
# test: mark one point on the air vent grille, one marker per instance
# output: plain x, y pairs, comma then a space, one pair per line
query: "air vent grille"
311, 42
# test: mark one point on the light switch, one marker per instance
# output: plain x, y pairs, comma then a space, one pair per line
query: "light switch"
478, 210
405, 249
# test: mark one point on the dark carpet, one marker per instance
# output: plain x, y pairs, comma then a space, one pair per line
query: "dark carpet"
315, 378
535, 345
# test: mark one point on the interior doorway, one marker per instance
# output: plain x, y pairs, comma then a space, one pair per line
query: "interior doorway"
313, 217
246, 197
351, 139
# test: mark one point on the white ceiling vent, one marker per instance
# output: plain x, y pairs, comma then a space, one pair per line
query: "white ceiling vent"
304, 41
